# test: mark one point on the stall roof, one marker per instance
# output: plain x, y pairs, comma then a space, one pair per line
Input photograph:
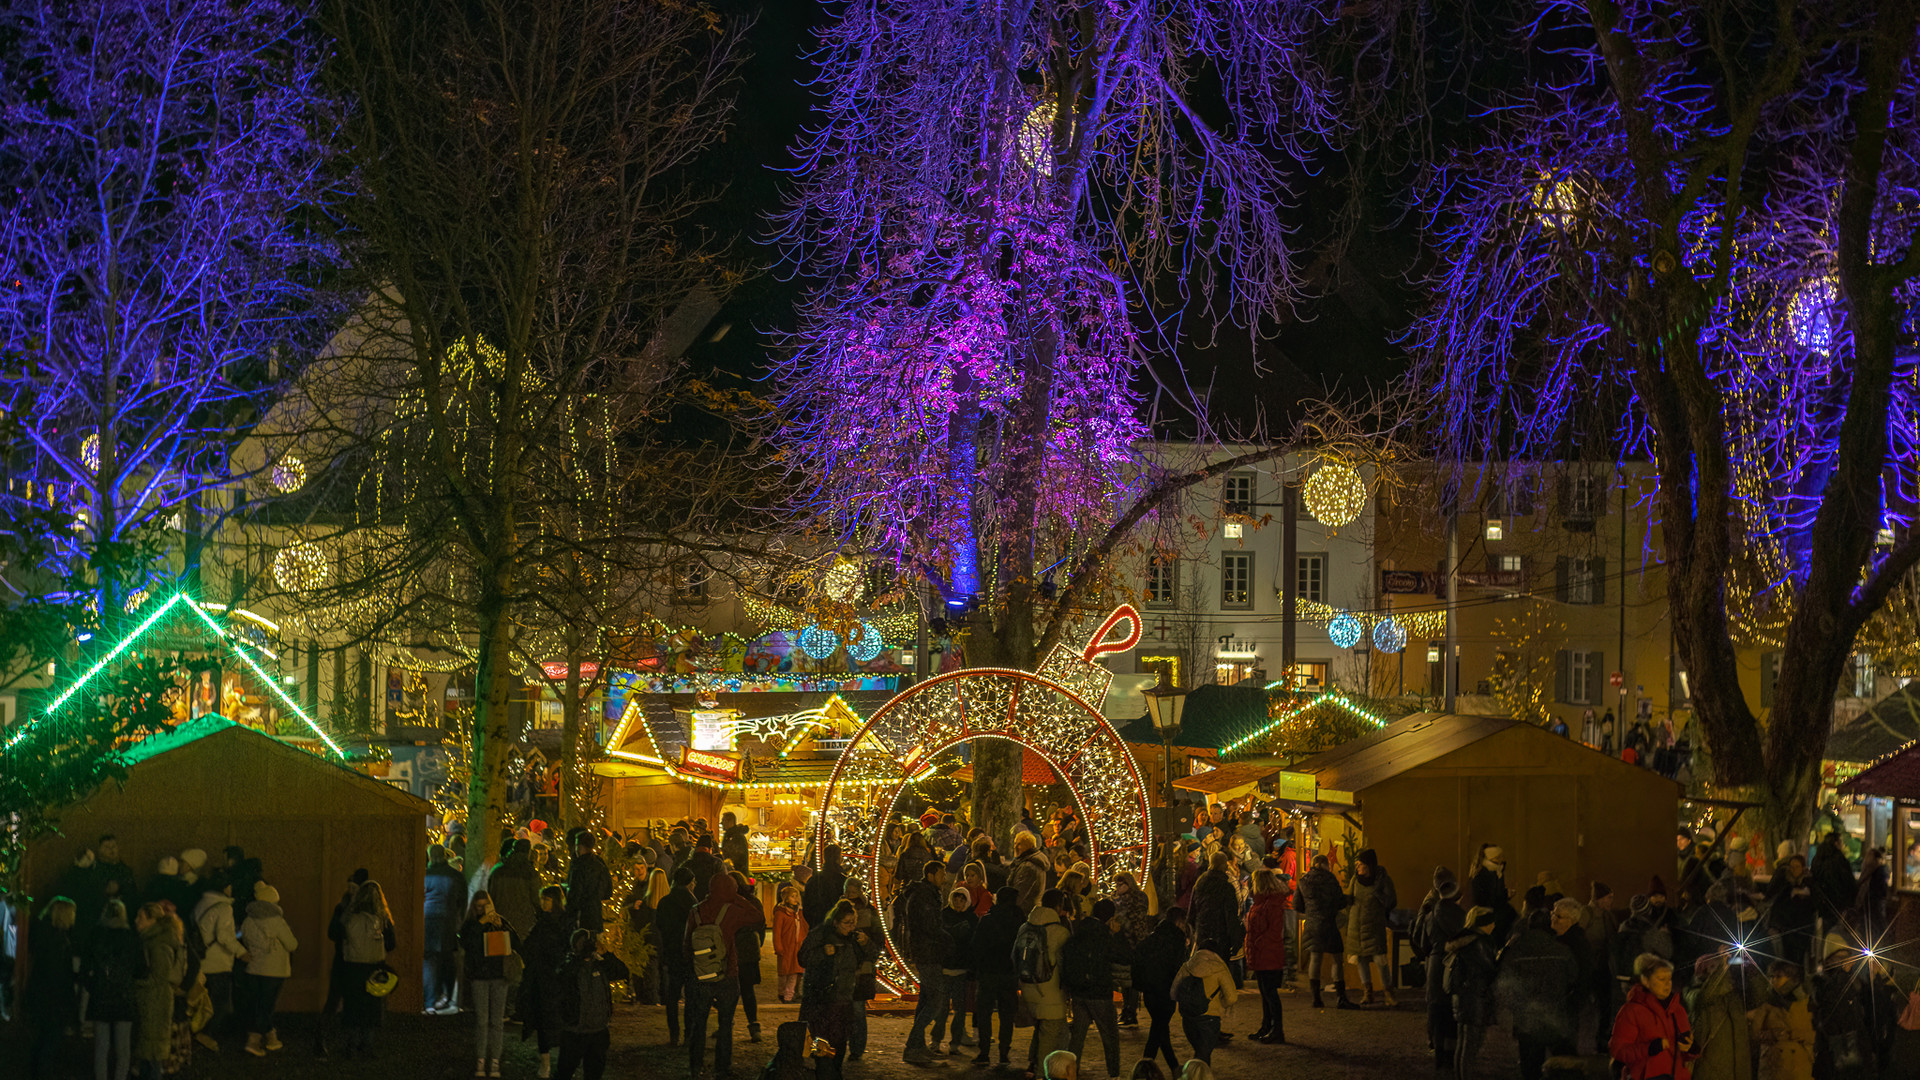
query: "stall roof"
1407, 743
1215, 717
1226, 778
1033, 770
1892, 723
1897, 776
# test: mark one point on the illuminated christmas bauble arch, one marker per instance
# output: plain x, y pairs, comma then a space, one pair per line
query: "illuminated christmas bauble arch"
1054, 713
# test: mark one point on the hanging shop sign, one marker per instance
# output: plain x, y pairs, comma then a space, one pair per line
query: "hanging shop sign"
723, 766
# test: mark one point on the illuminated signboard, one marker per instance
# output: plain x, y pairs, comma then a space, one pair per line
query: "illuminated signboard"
713, 728
724, 766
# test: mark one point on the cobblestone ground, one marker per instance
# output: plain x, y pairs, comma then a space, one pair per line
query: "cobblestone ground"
1324, 1045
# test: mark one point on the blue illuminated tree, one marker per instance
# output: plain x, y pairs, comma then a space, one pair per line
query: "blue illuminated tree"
1012, 208
163, 250
1709, 221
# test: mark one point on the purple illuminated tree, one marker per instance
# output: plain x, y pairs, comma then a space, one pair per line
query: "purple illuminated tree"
162, 253
1710, 221
1011, 207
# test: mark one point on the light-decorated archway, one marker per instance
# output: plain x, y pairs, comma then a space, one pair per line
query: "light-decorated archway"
1055, 712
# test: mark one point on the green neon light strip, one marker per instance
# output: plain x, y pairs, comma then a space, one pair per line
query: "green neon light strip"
272, 683
127, 643
1325, 697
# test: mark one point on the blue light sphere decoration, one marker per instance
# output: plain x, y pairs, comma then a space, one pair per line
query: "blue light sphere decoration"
1810, 314
1389, 636
869, 644
819, 642
1345, 630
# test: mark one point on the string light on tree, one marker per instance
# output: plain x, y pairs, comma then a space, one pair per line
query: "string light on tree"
1335, 494
1345, 630
842, 582
1036, 138
289, 475
1810, 314
819, 642
300, 567
1389, 636
90, 452
1556, 204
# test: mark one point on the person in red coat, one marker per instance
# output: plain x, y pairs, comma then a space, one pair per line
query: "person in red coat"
1652, 1036
1267, 950
789, 931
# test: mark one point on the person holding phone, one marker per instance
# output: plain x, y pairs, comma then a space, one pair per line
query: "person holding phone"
1652, 1036
488, 939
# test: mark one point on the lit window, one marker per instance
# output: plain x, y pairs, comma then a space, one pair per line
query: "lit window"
1496, 530
1862, 666
1233, 530
1509, 563
1236, 579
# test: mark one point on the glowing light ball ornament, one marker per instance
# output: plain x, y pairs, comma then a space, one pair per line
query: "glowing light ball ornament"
302, 566
1810, 314
290, 475
842, 583
1335, 494
1036, 138
868, 645
1345, 630
90, 453
819, 642
1556, 204
1389, 636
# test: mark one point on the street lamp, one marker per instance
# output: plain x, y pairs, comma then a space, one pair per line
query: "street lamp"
1164, 705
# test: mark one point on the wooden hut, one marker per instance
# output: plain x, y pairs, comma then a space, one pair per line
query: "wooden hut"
212, 783
1429, 789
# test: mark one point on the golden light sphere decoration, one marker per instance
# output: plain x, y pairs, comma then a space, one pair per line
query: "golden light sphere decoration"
1556, 204
90, 452
1335, 494
289, 475
841, 583
302, 566
1035, 141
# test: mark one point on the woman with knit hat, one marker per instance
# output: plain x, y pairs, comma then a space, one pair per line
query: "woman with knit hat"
270, 944
1488, 889
1439, 920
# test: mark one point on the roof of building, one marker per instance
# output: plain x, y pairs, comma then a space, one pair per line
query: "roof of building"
1893, 722
1407, 743
214, 725
1214, 718
1226, 778
1896, 776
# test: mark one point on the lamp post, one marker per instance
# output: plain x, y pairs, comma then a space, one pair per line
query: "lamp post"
1164, 706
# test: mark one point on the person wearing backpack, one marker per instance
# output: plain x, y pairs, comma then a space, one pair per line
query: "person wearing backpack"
1036, 959
1086, 974
270, 944
956, 968
714, 964
998, 985
366, 937
487, 939
213, 915
586, 984
1204, 991
1439, 920
921, 937
1156, 961
1467, 976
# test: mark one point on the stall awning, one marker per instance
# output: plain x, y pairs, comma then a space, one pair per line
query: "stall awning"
1896, 777
1227, 781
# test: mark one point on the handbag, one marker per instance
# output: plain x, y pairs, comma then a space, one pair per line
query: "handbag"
382, 981
498, 943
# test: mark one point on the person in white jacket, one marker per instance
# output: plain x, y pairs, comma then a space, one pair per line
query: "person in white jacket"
213, 916
1045, 1001
269, 943
1207, 968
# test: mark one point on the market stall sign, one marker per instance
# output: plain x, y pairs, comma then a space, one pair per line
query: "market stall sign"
557, 669
724, 766
1296, 787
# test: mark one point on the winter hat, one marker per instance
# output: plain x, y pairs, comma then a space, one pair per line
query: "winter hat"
1784, 851
1367, 858
1103, 909
266, 893
1534, 899
1492, 857
1638, 905
1547, 881
84, 859
194, 859
168, 866
1480, 916
1657, 887
358, 877
1704, 836
1444, 883
1600, 890
1737, 843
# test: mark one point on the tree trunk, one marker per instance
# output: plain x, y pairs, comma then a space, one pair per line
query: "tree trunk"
492, 730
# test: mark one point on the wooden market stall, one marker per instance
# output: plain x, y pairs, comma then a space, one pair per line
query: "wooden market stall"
212, 783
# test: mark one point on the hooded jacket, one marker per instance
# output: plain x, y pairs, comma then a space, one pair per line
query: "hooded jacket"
1718, 1014
824, 890
1215, 915
1536, 981
1030, 873
959, 927
724, 906
515, 887
670, 919
832, 977
1321, 893
790, 929
1470, 954
589, 887
1157, 959
446, 900
1267, 933
1646, 1023
1206, 965
268, 940
1373, 900
1045, 1000
214, 917
153, 993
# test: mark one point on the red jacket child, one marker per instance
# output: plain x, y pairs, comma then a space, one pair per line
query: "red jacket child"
789, 930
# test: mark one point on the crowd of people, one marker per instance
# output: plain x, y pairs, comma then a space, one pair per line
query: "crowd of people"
1721, 977
194, 955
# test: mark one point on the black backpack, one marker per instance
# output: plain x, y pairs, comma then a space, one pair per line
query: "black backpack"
1084, 968
1030, 960
1192, 997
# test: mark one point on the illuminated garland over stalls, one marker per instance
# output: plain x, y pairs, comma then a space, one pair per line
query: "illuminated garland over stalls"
1056, 713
